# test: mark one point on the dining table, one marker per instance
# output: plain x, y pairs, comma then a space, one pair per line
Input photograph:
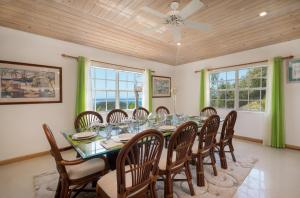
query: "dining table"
106, 143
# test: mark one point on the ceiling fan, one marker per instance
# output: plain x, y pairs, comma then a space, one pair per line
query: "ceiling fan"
175, 18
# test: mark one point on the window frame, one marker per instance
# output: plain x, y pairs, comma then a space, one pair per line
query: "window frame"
93, 79
237, 88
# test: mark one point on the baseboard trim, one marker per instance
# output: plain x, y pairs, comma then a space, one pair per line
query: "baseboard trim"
250, 139
292, 147
29, 156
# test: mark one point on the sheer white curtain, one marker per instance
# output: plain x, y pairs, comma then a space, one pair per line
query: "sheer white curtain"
88, 87
207, 91
267, 135
147, 92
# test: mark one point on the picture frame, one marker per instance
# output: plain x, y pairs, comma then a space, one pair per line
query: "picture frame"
161, 86
25, 83
293, 71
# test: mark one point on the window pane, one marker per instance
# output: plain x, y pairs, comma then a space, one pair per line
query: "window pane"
123, 85
243, 95
255, 72
254, 95
243, 73
231, 75
100, 73
230, 95
111, 100
213, 103
100, 84
130, 76
92, 72
130, 86
100, 101
213, 85
231, 84
243, 105
264, 82
254, 83
222, 85
264, 72
222, 76
111, 85
122, 75
263, 94
243, 83
140, 78
213, 94
221, 94
214, 77
123, 100
110, 74
254, 105
230, 104
221, 103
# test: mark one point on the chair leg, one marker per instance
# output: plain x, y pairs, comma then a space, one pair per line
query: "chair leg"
65, 190
213, 161
189, 178
58, 189
153, 193
168, 186
222, 157
200, 171
231, 151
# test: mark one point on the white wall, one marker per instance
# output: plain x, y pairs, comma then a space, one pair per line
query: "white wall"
20, 125
250, 124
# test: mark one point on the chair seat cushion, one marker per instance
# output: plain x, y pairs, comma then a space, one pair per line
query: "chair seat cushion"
86, 168
108, 183
163, 159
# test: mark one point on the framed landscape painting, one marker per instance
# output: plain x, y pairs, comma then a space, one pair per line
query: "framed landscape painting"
294, 70
24, 83
161, 86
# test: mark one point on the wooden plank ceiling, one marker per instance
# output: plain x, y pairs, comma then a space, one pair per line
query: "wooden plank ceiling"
121, 26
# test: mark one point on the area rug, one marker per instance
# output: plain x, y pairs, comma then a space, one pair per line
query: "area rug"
222, 186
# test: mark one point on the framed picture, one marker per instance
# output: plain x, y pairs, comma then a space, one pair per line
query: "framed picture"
24, 83
294, 70
161, 86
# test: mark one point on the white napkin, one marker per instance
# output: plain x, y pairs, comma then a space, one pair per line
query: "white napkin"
108, 144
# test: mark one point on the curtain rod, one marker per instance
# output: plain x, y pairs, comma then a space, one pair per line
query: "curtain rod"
122, 66
212, 69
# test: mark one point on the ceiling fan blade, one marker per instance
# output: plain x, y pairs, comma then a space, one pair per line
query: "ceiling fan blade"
198, 26
153, 12
176, 33
191, 8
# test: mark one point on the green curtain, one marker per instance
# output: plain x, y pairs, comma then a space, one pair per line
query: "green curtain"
277, 108
80, 94
202, 97
149, 84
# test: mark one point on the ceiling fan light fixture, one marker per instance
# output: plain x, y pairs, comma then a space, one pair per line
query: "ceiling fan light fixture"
262, 14
178, 43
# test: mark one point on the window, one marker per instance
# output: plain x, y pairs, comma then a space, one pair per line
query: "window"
114, 89
243, 89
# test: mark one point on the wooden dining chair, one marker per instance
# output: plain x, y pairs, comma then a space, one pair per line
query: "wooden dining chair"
74, 174
137, 168
209, 111
86, 118
162, 109
176, 158
226, 138
116, 116
141, 111
204, 147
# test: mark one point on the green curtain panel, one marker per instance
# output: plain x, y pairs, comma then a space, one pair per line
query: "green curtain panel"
80, 94
149, 83
277, 108
202, 97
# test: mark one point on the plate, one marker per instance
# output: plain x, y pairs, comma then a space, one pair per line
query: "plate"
123, 137
167, 128
84, 135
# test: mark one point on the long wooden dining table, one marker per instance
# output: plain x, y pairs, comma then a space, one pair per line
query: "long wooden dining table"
93, 147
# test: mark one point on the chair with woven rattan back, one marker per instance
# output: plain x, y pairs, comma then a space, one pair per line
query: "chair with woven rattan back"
204, 147
137, 168
177, 156
140, 112
209, 111
86, 118
116, 116
162, 109
226, 138
74, 174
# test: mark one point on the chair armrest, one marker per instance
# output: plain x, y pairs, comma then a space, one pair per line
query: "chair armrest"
73, 162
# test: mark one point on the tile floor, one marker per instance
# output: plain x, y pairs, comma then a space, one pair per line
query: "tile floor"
276, 174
